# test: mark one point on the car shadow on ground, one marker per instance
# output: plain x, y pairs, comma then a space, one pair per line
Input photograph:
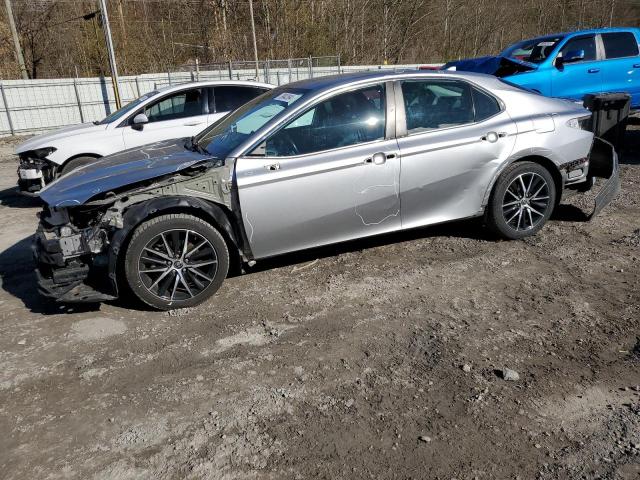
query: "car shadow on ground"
19, 280
11, 197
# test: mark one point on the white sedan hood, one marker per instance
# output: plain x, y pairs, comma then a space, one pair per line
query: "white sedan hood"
50, 139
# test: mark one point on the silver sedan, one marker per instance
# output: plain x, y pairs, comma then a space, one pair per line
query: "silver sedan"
313, 163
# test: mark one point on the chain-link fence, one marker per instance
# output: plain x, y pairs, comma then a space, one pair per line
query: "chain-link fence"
32, 106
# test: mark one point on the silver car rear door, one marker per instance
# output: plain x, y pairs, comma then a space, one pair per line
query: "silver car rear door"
341, 181
455, 138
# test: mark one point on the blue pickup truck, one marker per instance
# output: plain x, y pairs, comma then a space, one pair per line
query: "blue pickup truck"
569, 65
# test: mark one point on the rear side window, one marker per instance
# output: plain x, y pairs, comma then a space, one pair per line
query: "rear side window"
187, 103
432, 104
620, 44
587, 44
228, 98
485, 105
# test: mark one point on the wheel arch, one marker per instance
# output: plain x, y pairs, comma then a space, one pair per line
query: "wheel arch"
541, 160
215, 214
60, 166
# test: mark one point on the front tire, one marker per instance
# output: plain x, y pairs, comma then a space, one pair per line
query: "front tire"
176, 261
522, 201
76, 163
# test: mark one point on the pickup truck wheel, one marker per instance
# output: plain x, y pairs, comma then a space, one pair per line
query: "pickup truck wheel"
522, 201
75, 163
176, 261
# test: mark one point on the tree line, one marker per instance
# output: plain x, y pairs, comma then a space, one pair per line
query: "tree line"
62, 38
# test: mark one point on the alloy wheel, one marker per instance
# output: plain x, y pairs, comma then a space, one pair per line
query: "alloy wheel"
526, 201
177, 265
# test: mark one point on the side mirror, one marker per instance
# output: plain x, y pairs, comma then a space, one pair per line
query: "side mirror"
573, 56
139, 120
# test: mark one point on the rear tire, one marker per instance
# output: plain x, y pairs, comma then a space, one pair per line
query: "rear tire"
522, 201
175, 261
76, 163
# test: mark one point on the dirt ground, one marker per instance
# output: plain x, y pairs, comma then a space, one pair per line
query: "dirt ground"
377, 359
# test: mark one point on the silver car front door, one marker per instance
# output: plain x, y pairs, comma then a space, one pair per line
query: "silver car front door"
457, 136
330, 175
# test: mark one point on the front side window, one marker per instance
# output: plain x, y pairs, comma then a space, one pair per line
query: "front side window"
586, 44
620, 44
227, 98
433, 104
343, 120
129, 107
187, 103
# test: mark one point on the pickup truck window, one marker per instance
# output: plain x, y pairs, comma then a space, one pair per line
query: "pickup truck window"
586, 43
620, 44
534, 50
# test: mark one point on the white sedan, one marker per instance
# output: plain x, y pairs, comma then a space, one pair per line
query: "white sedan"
172, 112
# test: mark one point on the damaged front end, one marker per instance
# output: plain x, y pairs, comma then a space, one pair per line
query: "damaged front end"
90, 213
71, 252
35, 170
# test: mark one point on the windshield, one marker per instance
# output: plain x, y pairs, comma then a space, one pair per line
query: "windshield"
126, 109
535, 50
227, 134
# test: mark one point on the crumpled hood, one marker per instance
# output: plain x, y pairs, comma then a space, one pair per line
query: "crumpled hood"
119, 170
48, 139
491, 65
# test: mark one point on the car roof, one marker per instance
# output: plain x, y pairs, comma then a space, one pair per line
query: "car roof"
329, 82
214, 83
585, 32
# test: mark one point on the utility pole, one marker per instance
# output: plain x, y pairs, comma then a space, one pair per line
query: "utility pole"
16, 40
253, 32
112, 56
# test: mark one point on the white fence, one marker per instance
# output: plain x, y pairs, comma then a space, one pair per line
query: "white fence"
32, 106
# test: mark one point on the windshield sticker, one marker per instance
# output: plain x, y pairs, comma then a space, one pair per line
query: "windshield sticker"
289, 98
546, 44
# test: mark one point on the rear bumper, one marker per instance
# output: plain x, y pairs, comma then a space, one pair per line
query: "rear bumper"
603, 163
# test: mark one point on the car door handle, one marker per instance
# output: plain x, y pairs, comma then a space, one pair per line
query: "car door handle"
193, 124
593, 70
636, 65
272, 167
493, 137
379, 158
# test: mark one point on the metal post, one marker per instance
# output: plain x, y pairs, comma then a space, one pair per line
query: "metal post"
310, 67
197, 69
112, 55
16, 40
253, 33
266, 71
339, 64
278, 76
289, 67
230, 71
169, 77
6, 109
75, 87
137, 86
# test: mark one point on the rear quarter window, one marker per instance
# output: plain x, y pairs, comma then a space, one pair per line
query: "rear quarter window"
485, 105
620, 44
